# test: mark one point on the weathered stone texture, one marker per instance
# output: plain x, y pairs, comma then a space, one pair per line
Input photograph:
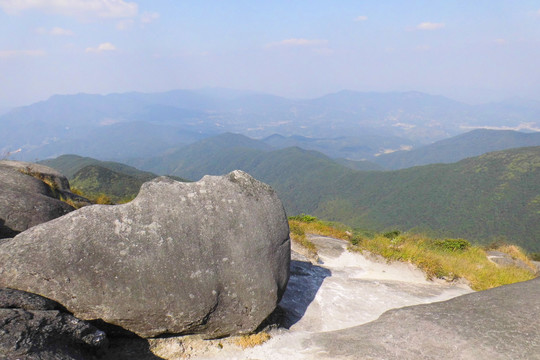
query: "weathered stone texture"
209, 257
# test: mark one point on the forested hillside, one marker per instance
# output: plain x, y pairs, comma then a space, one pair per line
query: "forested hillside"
493, 197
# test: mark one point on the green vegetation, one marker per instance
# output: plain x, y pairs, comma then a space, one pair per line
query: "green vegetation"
452, 244
473, 143
69, 165
102, 182
298, 235
448, 259
46, 179
483, 199
303, 224
106, 186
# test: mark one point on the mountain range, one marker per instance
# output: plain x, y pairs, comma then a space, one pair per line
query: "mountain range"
348, 124
492, 197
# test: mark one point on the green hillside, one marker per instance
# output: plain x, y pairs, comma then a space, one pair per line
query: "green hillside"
213, 156
473, 143
492, 197
94, 180
71, 164
93, 177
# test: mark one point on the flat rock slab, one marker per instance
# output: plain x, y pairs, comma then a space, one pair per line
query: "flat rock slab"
501, 323
210, 257
346, 289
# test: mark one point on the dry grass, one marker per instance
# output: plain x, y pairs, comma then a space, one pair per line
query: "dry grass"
442, 259
471, 263
298, 235
516, 253
305, 224
247, 341
48, 180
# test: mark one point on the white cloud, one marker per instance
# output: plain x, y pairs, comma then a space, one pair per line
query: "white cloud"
58, 31
500, 41
361, 18
298, 42
101, 48
93, 8
17, 53
125, 24
522, 126
55, 31
148, 17
429, 26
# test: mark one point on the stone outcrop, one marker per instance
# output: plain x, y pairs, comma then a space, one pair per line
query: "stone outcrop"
500, 323
504, 259
33, 327
26, 200
210, 257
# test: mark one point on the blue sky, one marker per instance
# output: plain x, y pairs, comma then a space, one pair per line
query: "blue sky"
474, 51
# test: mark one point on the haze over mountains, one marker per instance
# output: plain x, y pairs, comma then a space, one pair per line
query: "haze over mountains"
347, 124
359, 158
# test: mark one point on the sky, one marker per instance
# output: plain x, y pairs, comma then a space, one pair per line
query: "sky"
473, 51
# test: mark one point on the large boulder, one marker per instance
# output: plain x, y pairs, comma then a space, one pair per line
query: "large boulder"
210, 257
501, 323
29, 196
32, 327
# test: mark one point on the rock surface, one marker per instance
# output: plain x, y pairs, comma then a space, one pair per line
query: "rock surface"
344, 289
501, 323
504, 259
26, 201
33, 327
210, 257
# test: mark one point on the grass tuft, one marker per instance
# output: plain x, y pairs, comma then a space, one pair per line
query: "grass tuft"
448, 259
252, 340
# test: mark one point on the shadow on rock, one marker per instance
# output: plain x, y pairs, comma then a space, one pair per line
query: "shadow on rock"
34, 327
304, 283
124, 344
6, 231
129, 348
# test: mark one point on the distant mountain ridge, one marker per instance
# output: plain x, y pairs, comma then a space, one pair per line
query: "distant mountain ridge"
112, 124
492, 197
473, 143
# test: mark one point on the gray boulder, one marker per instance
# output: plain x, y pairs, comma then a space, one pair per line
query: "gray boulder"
210, 257
501, 323
32, 327
25, 200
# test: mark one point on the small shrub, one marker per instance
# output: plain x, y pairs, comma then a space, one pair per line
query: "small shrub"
392, 234
304, 218
77, 191
296, 229
452, 244
104, 200
356, 240
535, 256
